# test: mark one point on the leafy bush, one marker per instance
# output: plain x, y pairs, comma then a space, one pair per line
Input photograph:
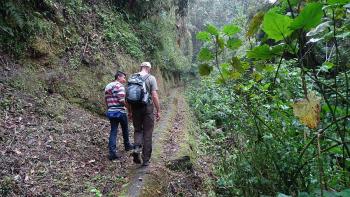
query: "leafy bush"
148, 33
261, 112
21, 22
118, 32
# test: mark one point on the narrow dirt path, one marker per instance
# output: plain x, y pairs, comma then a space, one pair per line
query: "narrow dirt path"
148, 181
52, 147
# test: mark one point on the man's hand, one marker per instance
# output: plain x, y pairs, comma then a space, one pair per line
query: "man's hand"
157, 116
156, 104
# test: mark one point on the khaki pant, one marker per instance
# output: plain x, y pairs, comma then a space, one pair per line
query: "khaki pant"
143, 121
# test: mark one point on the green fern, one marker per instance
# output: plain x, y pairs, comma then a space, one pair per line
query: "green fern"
13, 16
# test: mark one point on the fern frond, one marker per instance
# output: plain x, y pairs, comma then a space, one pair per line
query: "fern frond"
15, 17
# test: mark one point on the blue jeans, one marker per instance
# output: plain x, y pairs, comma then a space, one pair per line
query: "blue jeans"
123, 120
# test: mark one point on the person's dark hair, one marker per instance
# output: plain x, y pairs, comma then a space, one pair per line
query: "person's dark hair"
119, 74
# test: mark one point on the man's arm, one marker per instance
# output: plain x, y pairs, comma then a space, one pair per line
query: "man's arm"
128, 107
155, 100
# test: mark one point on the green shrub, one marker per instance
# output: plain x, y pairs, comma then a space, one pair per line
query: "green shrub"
118, 32
248, 106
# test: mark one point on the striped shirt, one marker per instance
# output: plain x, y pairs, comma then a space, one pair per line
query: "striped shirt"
115, 96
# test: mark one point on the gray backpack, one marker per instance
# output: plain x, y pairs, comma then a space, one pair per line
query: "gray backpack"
136, 92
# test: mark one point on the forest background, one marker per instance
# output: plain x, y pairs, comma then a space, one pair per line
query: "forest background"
272, 101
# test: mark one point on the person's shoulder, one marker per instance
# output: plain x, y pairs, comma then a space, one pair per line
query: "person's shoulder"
114, 84
110, 84
152, 77
153, 80
119, 84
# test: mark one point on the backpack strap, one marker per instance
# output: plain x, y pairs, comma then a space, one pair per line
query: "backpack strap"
146, 77
148, 88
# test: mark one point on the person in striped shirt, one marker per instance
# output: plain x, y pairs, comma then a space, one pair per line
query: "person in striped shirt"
116, 113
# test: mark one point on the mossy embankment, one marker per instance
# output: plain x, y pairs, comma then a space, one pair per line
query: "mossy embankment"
74, 48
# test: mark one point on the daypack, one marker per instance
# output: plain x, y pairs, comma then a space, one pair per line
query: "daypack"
136, 92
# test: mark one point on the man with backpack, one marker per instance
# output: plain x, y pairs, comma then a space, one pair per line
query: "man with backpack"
116, 113
142, 97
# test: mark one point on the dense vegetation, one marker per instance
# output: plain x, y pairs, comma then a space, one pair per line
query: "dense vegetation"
276, 116
56, 57
66, 46
272, 103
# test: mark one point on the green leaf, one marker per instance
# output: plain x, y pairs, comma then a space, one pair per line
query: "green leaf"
205, 69
341, 2
345, 192
234, 43
225, 66
7, 30
266, 86
225, 73
225, 70
313, 40
236, 75
205, 55
220, 80
256, 76
236, 64
326, 66
276, 26
303, 194
282, 195
221, 42
248, 86
309, 17
255, 24
230, 29
336, 150
265, 52
203, 36
293, 2
270, 68
245, 65
343, 35
260, 52
260, 67
329, 194
277, 49
212, 30
320, 28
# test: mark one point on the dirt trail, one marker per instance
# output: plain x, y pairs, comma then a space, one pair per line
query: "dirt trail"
148, 181
53, 148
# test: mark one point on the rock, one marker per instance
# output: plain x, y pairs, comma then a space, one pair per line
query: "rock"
17, 178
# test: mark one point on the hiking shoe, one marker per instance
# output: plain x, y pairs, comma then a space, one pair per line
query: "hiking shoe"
137, 158
114, 157
129, 147
145, 163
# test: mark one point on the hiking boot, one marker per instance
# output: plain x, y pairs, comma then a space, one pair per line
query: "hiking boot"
129, 147
114, 157
145, 163
137, 158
